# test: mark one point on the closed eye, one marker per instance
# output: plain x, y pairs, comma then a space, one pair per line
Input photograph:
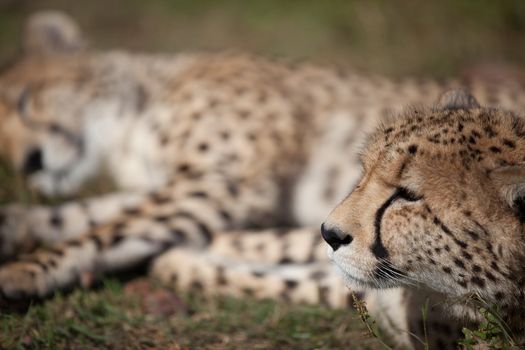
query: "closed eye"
408, 195
21, 105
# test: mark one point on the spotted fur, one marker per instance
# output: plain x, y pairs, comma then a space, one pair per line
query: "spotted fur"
438, 212
211, 154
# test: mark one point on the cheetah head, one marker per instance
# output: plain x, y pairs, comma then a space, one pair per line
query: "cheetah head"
40, 129
440, 204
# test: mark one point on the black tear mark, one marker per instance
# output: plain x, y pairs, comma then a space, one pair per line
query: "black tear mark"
378, 249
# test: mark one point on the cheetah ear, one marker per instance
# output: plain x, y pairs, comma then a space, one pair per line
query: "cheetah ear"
510, 181
457, 99
52, 32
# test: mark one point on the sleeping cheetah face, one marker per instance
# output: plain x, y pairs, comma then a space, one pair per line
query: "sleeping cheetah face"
41, 132
440, 204
42, 99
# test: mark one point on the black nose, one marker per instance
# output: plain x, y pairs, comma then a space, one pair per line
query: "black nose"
33, 161
335, 239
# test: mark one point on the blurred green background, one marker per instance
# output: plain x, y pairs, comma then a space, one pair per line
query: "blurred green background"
436, 38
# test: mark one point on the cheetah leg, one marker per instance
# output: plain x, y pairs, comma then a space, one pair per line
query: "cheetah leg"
188, 213
24, 228
314, 283
415, 318
272, 246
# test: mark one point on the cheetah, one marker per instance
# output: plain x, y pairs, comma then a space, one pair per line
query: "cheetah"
438, 215
225, 164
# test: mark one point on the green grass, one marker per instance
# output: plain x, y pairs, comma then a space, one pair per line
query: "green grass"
118, 317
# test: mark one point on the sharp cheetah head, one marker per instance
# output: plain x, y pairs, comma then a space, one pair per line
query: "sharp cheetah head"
441, 203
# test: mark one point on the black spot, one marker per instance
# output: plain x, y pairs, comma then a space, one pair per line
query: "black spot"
198, 194
460, 243
412, 149
490, 276
52, 263
55, 220
489, 131
203, 147
476, 268
132, 211
473, 235
225, 216
177, 235
116, 239
74, 243
196, 285
466, 255
291, 284
447, 269
495, 149
285, 260
161, 218
478, 281
233, 190
258, 274
183, 168
509, 143
119, 225
164, 140
459, 263
159, 198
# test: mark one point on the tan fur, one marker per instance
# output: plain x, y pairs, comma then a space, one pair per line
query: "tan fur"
210, 154
461, 234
